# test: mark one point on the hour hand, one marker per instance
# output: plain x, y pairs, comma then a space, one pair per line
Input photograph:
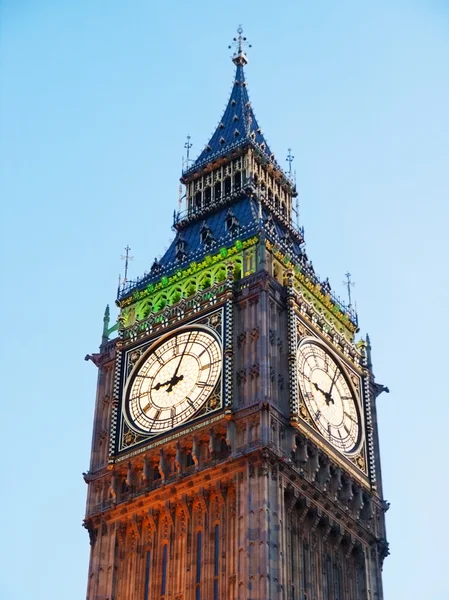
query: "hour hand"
317, 387
173, 381
159, 385
326, 395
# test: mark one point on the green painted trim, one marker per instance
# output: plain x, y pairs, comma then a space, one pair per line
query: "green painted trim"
113, 328
312, 293
184, 283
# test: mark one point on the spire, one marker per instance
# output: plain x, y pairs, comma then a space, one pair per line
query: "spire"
369, 362
106, 319
238, 126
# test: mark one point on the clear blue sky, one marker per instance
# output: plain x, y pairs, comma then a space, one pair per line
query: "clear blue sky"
96, 100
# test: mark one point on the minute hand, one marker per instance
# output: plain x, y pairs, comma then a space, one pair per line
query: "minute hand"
175, 379
332, 383
175, 374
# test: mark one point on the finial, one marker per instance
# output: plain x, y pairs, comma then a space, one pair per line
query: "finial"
187, 146
126, 257
348, 283
239, 57
290, 159
106, 319
369, 363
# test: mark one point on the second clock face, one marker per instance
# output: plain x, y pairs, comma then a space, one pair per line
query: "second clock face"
328, 397
174, 380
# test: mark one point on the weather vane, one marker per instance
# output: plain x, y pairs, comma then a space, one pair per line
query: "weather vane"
126, 257
290, 159
187, 146
239, 43
348, 283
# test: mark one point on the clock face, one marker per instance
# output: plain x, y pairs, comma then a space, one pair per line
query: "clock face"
173, 380
328, 397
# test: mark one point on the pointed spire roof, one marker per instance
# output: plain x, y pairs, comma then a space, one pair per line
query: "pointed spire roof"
238, 126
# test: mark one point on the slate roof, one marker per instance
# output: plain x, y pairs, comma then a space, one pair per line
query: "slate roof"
244, 211
238, 127
247, 223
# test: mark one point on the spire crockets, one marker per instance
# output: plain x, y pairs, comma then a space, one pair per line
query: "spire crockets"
238, 126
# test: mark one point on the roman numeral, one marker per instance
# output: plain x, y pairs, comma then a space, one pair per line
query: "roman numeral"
351, 417
160, 360
206, 349
203, 384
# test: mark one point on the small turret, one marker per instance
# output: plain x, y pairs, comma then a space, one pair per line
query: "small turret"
106, 321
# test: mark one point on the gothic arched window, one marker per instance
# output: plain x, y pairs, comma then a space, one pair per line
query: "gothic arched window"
199, 540
216, 559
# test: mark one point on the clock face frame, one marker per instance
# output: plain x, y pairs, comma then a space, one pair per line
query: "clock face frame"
329, 396
173, 380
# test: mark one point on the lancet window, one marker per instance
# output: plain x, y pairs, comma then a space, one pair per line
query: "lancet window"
164, 570
199, 537
147, 575
216, 560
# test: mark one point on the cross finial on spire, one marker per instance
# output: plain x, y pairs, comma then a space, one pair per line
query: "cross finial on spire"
290, 158
126, 257
187, 146
239, 57
348, 283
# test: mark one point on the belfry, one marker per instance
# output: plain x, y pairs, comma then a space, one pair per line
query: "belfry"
235, 451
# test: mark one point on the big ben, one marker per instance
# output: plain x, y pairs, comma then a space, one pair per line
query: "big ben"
235, 451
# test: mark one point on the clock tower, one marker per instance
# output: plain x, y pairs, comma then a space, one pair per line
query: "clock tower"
235, 451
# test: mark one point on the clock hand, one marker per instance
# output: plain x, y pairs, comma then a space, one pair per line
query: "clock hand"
317, 387
159, 385
182, 356
175, 379
326, 395
172, 381
332, 383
